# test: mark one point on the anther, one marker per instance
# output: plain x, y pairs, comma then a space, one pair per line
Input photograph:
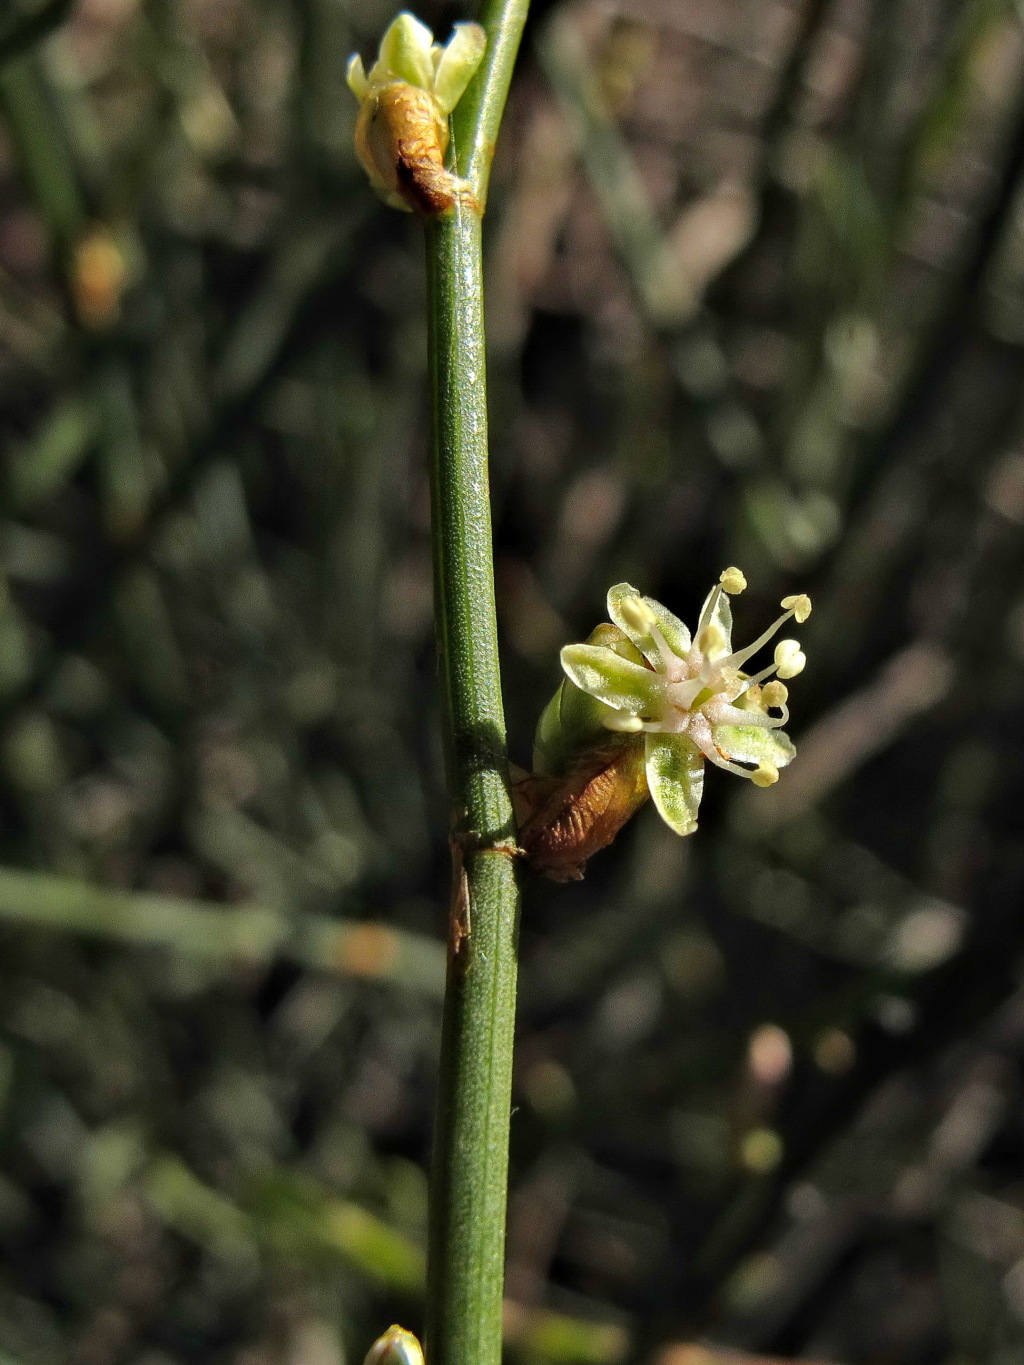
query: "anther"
765, 775
733, 580
789, 658
775, 694
799, 604
637, 615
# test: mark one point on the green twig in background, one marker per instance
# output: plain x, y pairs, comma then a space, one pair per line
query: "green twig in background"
234, 934
470, 1167
25, 30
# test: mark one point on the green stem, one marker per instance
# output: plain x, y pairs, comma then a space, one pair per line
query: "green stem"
477, 117
467, 1221
465, 1276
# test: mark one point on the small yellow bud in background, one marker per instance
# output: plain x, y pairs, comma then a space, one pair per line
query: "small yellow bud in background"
789, 658
761, 1150
799, 604
396, 1346
637, 614
98, 277
733, 580
774, 694
765, 775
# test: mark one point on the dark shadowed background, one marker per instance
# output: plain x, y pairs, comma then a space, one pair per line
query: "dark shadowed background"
756, 296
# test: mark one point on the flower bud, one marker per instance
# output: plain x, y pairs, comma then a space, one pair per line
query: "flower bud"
396, 1346
402, 130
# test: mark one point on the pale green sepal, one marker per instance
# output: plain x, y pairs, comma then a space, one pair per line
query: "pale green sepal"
755, 744
722, 618
676, 634
405, 52
581, 718
614, 680
355, 76
457, 64
614, 638
571, 721
675, 776
548, 748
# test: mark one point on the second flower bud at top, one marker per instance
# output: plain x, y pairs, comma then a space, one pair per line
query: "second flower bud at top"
405, 100
396, 1346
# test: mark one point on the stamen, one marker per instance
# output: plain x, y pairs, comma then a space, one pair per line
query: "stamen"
756, 680
712, 640
741, 656
799, 604
766, 774
675, 668
733, 581
722, 713
641, 619
707, 615
637, 615
775, 694
702, 737
684, 694
789, 658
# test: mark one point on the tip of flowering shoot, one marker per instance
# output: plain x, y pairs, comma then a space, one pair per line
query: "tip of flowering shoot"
405, 100
733, 581
799, 604
396, 1346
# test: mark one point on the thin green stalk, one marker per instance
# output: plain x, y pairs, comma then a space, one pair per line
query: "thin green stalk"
477, 118
466, 1258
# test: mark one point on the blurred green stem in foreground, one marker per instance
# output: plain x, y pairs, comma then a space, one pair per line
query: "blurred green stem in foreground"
470, 1165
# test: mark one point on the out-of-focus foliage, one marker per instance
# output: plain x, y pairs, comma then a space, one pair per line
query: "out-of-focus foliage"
756, 296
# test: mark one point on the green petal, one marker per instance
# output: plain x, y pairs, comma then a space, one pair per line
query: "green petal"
722, 618
611, 637
571, 721
755, 744
603, 674
675, 775
355, 75
459, 60
405, 52
672, 628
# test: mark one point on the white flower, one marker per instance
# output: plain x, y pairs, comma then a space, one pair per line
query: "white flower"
690, 698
